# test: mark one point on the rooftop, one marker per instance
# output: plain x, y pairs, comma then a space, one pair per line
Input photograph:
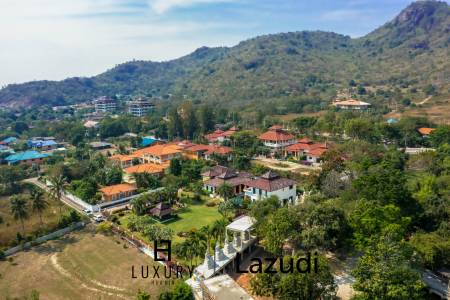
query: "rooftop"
118, 188
270, 182
276, 133
159, 150
224, 287
27, 155
241, 224
425, 130
350, 102
146, 168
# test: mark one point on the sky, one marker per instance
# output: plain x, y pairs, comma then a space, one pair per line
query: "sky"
56, 39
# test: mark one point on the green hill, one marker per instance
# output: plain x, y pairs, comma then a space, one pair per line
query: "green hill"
411, 50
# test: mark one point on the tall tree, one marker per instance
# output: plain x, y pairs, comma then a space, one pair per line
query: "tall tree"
57, 184
206, 118
19, 209
387, 271
174, 127
226, 191
39, 204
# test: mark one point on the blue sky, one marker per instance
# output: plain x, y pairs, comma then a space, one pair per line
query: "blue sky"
55, 39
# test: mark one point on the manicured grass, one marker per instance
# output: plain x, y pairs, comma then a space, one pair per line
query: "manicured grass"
81, 265
194, 216
10, 227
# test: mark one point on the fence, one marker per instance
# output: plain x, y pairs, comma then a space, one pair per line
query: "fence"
44, 238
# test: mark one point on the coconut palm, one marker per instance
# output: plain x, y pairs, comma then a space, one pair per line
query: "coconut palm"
39, 204
58, 182
218, 228
226, 191
19, 209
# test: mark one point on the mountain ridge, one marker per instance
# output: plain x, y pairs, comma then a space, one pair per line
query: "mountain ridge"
413, 47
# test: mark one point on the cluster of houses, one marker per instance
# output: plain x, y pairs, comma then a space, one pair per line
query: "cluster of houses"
39, 148
138, 107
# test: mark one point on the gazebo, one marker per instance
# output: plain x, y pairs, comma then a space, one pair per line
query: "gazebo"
161, 210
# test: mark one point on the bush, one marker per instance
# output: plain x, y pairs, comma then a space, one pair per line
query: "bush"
2, 255
104, 228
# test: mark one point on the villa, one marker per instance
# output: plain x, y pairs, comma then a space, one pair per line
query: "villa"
277, 138
307, 149
351, 104
219, 136
42, 144
150, 168
30, 157
123, 161
271, 184
206, 151
220, 175
118, 192
159, 154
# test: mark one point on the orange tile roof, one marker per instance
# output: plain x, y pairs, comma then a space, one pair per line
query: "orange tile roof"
117, 189
196, 148
276, 133
159, 150
147, 168
219, 150
318, 152
425, 130
122, 157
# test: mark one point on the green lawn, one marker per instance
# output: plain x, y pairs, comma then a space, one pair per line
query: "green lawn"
194, 216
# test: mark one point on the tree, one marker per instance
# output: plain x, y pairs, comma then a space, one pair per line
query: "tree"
146, 180
139, 205
388, 271
324, 227
371, 220
206, 117
142, 295
296, 285
39, 204
113, 176
174, 127
19, 127
261, 209
440, 135
281, 226
226, 191
218, 228
175, 167
19, 209
57, 184
182, 291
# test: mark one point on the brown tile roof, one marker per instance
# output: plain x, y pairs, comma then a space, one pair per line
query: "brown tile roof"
147, 168
318, 152
118, 188
270, 182
425, 130
215, 171
232, 181
306, 140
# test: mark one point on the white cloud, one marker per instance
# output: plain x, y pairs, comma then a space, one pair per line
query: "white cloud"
55, 39
162, 6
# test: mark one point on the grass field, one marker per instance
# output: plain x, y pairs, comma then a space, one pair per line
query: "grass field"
81, 265
194, 216
10, 227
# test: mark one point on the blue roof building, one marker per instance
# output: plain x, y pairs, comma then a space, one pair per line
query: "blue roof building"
42, 144
30, 156
8, 140
147, 141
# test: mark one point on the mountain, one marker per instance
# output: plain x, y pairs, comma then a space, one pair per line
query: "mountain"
411, 50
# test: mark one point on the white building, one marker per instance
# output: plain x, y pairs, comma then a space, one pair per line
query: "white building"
271, 184
277, 138
351, 104
105, 105
140, 107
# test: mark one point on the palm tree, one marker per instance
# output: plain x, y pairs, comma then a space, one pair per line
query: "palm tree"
58, 183
225, 191
198, 243
19, 209
39, 204
218, 228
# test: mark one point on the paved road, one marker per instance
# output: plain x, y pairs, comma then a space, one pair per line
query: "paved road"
64, 199
436, 284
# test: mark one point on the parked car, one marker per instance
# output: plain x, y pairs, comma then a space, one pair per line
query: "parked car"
87, 211
99, 218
